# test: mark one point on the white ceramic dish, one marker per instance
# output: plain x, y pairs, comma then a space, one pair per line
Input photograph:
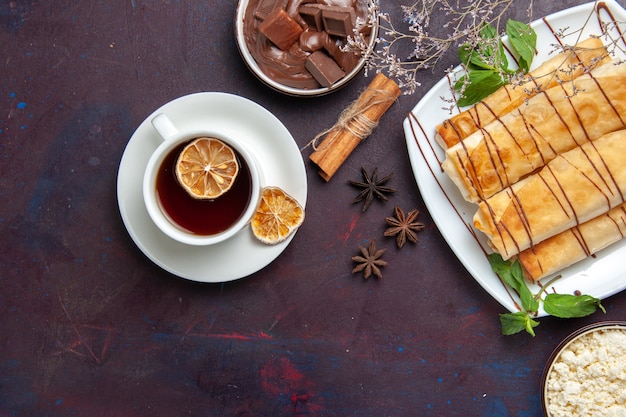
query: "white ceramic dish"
242, 254
599, 276
256, 70
608, 326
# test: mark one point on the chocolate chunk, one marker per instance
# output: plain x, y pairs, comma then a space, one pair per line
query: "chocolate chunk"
312, 15
311, 41
264, 8
323, 68
280, 28
347, 60
338, 21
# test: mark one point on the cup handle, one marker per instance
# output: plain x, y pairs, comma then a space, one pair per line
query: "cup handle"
164, 126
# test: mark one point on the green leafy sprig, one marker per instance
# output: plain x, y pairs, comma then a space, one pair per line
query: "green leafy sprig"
486, 65
557, 305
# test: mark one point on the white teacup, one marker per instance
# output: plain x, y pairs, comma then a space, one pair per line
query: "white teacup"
197, 222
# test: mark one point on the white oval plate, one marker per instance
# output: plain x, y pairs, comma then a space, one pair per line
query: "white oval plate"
599, 276
270, 143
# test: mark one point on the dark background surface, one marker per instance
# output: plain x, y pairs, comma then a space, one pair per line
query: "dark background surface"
89, 326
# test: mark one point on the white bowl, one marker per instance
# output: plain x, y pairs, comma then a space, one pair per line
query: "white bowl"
289, 90
590, 351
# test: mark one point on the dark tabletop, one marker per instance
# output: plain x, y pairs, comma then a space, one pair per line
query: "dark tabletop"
91, 327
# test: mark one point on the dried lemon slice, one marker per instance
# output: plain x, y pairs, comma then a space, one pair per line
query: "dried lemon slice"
277, 216
206, 168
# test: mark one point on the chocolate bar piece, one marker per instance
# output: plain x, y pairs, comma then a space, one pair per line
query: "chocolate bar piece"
312, 15
264, 8
347, 60
280, 29
338, 21
324, 69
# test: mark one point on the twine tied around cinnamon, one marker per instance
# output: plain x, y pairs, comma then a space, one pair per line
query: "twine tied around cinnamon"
353, 120
355, 124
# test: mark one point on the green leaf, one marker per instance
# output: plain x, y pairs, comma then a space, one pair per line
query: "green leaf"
471, 59
570, 306
487, 54
502, 268
524, 40
503, 62
486, 63
488, 32
529, 302
465, 53
511, 273
489, 37
476, 85
513, 323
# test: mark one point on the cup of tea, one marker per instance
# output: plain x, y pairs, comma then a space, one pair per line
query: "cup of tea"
184, 217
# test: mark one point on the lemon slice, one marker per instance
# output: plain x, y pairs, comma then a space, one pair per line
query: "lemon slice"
277, 216
206, 168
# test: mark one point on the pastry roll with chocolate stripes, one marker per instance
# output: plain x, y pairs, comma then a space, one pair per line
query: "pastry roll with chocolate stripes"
564, 67
573, 245
554, 121
573, 188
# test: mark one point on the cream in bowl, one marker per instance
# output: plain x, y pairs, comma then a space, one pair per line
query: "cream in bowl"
298, 47
586, 375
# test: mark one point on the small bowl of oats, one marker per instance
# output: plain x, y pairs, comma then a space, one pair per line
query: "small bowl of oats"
586, 373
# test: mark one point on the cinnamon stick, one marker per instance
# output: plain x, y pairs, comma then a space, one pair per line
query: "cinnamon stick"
354, 125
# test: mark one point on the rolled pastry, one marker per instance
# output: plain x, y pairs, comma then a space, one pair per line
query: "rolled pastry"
573, 245
573, 188
563, 67
527, 138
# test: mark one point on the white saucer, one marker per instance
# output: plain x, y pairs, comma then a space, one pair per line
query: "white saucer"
273, 145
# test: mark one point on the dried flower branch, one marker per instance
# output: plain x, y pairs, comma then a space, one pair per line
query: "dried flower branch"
423, 49
430, 28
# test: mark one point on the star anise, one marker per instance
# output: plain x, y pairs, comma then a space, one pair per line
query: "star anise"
369, 261
371, 186
403, 227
